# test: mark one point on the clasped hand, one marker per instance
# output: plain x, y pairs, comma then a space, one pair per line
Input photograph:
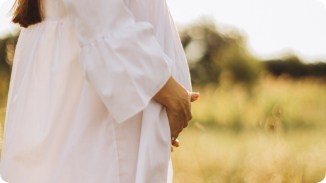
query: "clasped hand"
177, 101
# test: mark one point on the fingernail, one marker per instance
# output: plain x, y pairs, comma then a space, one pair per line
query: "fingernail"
195, 95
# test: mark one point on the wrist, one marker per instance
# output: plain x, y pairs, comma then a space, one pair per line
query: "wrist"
171, 94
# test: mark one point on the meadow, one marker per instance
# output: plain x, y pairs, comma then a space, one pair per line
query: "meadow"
4, 85
273, 133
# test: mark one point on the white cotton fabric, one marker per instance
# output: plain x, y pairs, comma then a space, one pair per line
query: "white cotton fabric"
80, 107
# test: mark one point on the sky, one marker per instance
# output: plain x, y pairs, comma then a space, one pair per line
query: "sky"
273, 27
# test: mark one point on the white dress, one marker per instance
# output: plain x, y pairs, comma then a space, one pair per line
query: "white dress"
80, 106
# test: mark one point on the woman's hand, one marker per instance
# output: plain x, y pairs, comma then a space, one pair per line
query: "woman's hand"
177, 101
174, 141
180, 114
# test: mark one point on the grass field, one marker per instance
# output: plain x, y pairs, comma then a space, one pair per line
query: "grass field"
4, 85
217, 156
274, 133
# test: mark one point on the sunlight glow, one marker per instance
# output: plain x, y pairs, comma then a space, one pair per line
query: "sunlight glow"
272, 27
323, 1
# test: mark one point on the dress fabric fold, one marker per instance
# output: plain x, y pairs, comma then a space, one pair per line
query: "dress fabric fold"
80, 105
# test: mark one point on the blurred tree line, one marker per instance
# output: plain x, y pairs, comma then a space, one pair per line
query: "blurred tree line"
213, 56
7, 49
295, 68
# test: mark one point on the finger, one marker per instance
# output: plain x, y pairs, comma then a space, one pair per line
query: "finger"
185, 125
175, 143
175, 134
186, 121
174, 137
189, 116
179, 131
194, 96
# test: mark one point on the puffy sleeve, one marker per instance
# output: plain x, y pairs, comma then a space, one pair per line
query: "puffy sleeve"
121, 58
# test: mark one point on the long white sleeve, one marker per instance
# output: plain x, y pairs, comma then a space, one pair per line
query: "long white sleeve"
121, 57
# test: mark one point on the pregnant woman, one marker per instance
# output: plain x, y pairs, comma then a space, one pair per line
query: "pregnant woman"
100, 89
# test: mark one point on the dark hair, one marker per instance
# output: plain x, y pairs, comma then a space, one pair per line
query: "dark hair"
27, 12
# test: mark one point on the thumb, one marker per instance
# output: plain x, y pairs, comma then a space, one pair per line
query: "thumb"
194, 96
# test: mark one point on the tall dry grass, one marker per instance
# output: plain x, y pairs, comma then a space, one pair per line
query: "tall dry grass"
4, 85
274, 133
211, 156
